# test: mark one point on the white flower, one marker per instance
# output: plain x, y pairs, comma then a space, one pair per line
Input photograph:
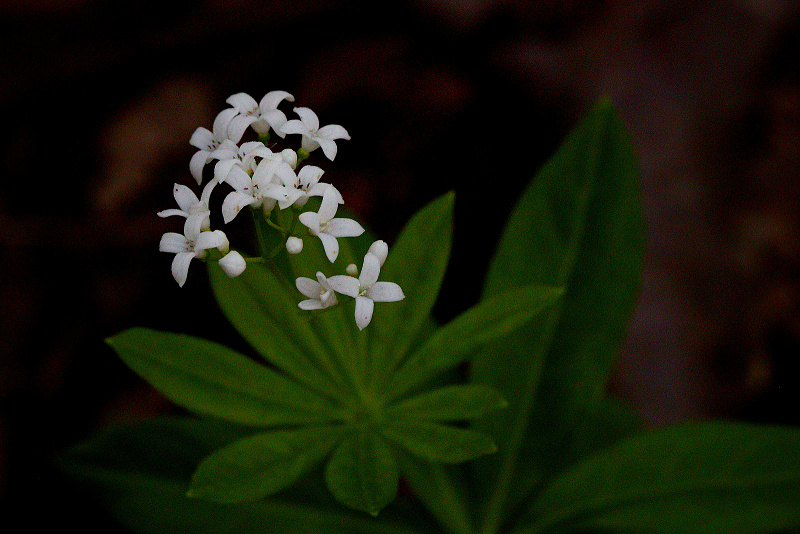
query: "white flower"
232, 263
380, 249
319, 293
212, 145
323, 225
243, 159
193, 243
261, 190
366, 289
314, 136
189, 204
294, 245
261, 116
302, 185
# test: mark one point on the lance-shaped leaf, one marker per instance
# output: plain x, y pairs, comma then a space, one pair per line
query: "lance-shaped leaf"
457, 341
260, 465
261, 308
211, 379
417, 262
579, 225
450, 403
363, 473
141, 471
692, 478
438, 443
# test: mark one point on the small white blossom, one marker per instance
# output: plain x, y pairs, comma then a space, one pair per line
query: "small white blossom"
243, 159
294, 245
189, 204
366, 289
313, 136
262, 190
233, 264
193, 243
303, 185
323, 225
212, 145
260, 116
319, 293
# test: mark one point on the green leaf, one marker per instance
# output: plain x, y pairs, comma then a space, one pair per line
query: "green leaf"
260, 465
452, 344
438, 443
264, 311
417, 262
450, 403
363, 472
693, 478
211, 379
140, 473
579, 226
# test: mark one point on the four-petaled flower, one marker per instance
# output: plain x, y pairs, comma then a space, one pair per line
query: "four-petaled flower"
313, 136
323, 225
260, 116
366, 289
212, 145
304, 184
319, 292
193, 243
190, 205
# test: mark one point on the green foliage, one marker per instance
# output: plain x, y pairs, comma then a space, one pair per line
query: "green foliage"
359, 411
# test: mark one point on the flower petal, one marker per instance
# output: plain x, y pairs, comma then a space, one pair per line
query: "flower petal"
328, 207
344, 228
234, 203
207, 240
309, 175
333, 131
385, 292
271, 100
311, 220
243, 103
310, 304
171, 212
330, 245
273, 119
293, 126
184, 196
370, 270
328, 147
239, 125
196, 164
364, 308
380, 249
346, 285
308, 287
180, 266
221, 122
309, 119
173, 242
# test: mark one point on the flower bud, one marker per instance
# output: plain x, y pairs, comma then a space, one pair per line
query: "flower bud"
294, 245
380, 249
352, 270
233, 264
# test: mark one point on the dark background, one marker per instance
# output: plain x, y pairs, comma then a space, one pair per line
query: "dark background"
98, 104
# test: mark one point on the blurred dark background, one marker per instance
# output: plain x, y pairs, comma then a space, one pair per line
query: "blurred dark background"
98, 101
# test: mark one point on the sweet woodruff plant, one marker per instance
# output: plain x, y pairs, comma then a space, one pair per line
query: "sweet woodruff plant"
496, 422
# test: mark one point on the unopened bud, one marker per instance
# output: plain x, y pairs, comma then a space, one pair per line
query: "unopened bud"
380, 249
233, 264
294, 245
352, 270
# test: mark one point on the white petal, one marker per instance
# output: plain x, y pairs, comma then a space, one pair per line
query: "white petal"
180, 266
309, 119
333, 131
310, 304
240, 180
311, 220
194, 224
234, 203
328, 147
364, 308
233, 264
290, 157
328, 207
215, 239
294, 127
243, 103
239, 125
370, 270
272, 99
202, 139
171, 212
308, 287
385, 292
380, 249
196, 164
330, 245
173, 242
344, 228
206, 194
184, 196
273, 119
309, 175
221, 122
346, 285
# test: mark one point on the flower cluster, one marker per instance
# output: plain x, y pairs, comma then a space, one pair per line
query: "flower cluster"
265, 180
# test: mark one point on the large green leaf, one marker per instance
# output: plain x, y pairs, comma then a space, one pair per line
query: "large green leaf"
141, 473
211, 379
694, 478
436, 442
261, 465
363, 472
453, 343
261, 306
417, 262
579, 226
